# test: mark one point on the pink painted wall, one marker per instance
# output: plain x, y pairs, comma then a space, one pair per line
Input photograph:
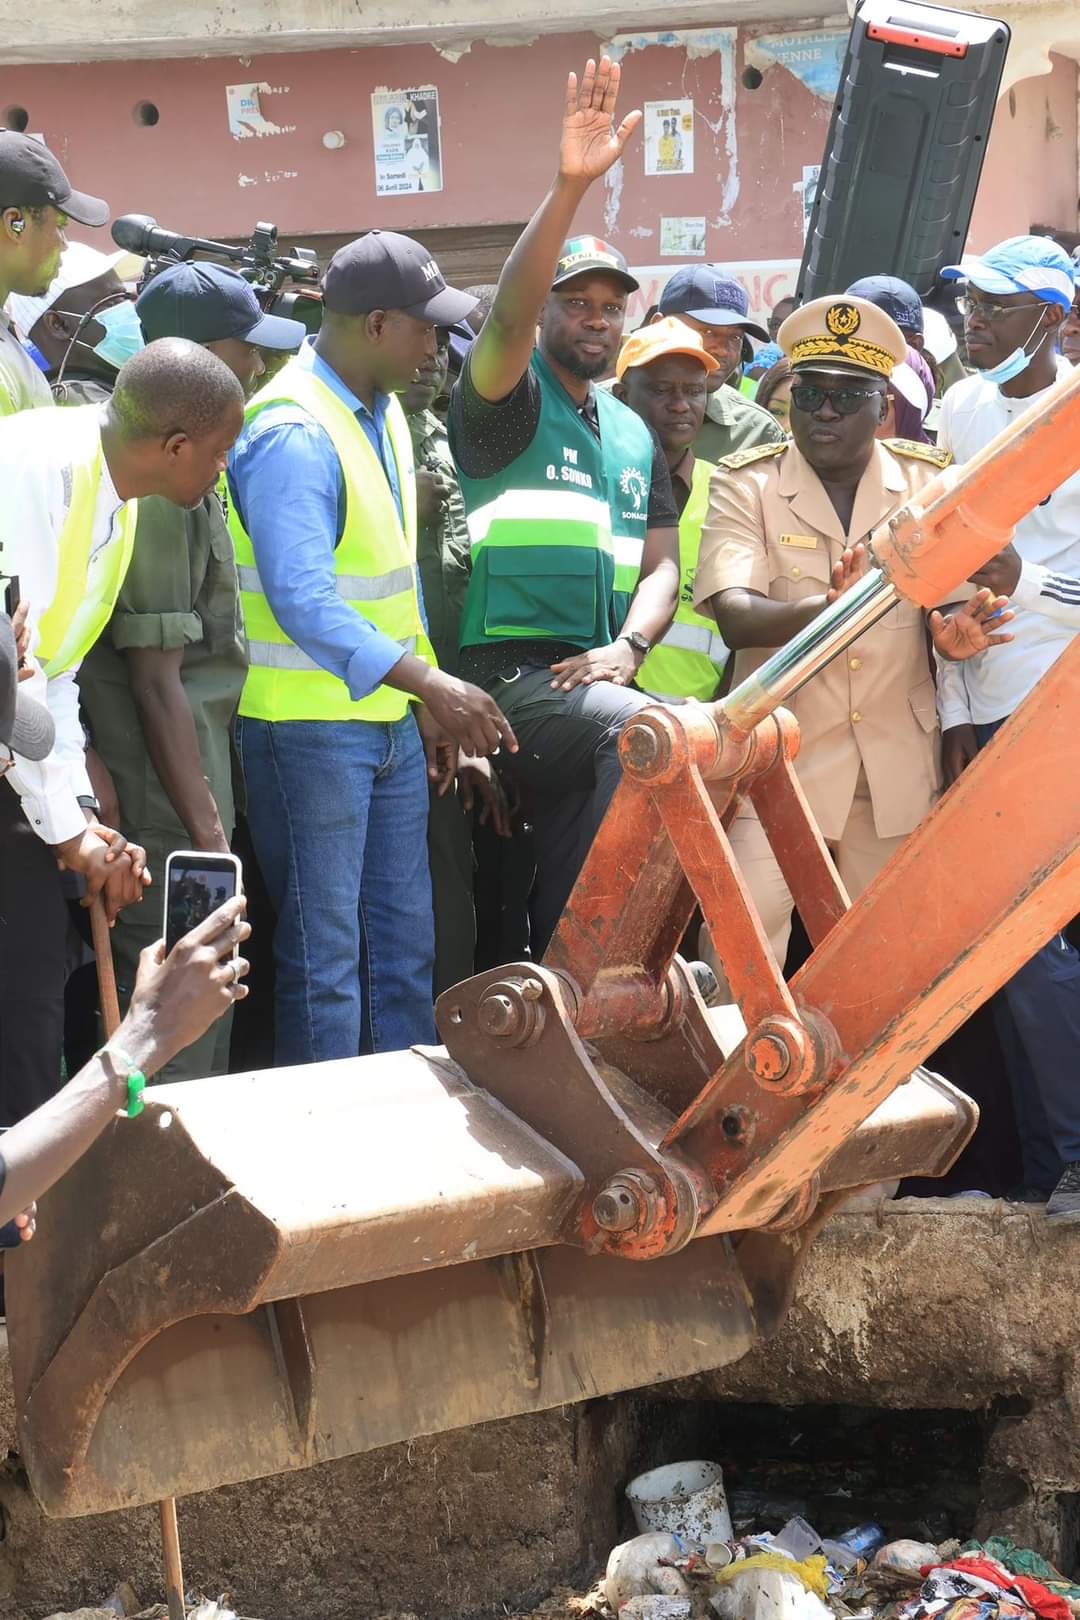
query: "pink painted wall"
1030, 176
500, 112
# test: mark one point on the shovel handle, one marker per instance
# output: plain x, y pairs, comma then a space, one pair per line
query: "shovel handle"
110, 1017
106, 973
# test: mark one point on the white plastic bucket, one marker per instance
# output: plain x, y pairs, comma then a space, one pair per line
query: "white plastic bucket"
686, 1499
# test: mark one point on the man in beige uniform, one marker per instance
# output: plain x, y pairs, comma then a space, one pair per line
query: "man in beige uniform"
781, 520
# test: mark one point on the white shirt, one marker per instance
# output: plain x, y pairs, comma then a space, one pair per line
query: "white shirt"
22, 383
36, 485
1046, 601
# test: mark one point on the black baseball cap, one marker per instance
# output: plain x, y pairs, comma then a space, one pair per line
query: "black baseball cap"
897, 298
584, 253
384, 270
26, 726
703, 291
30, 177
208, 302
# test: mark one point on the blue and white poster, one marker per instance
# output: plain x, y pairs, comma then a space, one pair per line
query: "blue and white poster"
815, 59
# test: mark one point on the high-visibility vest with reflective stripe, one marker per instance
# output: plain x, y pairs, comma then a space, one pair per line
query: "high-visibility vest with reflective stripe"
84, 599
557, 536
374, 567
690, 660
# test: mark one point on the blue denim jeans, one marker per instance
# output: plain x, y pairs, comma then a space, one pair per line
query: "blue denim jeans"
338, 816
1038, 1021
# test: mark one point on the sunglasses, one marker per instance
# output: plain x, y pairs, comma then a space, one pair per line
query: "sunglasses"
845, 401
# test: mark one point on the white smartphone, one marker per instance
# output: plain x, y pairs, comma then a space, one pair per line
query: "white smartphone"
197, 882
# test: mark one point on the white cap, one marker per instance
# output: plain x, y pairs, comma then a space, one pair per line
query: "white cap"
938, 335
906, 380
78, 265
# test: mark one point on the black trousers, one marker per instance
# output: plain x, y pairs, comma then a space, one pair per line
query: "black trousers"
568, 766
33, 934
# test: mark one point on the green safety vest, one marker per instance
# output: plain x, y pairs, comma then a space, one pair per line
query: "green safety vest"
557, 536
691, 658
374, 567
81, 609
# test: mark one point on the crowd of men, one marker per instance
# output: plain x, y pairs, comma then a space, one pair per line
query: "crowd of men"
397, 623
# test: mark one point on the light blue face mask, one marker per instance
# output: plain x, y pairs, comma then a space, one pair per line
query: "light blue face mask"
123, 334
1017, 362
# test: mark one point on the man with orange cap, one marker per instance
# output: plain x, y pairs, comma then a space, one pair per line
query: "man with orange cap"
663, 373
786, 532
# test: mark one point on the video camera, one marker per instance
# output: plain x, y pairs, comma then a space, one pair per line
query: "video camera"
257, 260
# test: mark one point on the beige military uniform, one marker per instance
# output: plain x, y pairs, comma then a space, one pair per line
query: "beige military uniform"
870, 755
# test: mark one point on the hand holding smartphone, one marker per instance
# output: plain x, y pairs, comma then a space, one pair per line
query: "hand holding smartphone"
197, 882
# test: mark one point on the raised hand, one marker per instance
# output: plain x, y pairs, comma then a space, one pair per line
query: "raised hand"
972, 628
847, 572
590, 141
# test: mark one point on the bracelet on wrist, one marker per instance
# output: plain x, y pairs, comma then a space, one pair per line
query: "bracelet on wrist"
136, 1079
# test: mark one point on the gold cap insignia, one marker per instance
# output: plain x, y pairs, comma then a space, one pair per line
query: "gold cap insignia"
843, 320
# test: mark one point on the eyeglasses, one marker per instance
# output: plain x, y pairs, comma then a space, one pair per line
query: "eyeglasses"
987, 310
845, 401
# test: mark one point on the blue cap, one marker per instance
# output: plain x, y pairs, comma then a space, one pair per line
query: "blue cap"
770, 354
1031, 264
703, 291
208, 302
897, 298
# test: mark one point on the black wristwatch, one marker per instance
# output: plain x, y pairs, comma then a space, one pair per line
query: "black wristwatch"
641, 644
85, 802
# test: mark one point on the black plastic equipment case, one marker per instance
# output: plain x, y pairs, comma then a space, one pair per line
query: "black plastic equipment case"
905, 146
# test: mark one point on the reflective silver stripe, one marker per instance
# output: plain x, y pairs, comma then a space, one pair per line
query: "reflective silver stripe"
697, 638
628, 549
351, 587
374, 587
287, 655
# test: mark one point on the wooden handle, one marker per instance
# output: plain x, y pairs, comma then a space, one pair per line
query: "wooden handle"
170, 1543
110, 1003
110, 1017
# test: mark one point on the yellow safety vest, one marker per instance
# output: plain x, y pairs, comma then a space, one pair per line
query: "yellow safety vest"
79, 612
374, 567
690, 660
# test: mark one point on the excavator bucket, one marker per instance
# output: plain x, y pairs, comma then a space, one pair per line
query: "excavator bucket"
597, 1183
266, 1271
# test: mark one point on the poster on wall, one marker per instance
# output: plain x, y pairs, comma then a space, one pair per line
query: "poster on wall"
246, 117
682, 237
669, 137
408, 148
815, 59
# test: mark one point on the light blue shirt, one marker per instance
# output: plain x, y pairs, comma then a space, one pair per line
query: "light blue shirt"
286, 482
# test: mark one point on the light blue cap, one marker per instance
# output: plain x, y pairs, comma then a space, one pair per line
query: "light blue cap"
1031, 264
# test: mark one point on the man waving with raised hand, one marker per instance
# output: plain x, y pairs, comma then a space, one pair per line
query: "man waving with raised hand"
572, 522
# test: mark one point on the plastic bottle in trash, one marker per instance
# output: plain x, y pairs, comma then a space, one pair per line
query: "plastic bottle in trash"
864, 1540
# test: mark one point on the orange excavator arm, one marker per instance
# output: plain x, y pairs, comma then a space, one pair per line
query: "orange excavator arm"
262, 1272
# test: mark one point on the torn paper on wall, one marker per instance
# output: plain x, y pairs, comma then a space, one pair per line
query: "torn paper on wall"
245, 112
815, 59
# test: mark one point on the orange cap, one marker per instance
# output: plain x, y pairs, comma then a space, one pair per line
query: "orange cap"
669, 336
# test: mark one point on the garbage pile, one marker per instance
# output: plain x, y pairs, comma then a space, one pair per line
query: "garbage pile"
125, 1605
687, 1565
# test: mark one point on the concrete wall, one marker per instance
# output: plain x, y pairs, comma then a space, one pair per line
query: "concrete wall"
1030, 172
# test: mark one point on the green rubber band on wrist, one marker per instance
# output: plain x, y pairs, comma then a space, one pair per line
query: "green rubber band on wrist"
136, 1080
136, 1084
